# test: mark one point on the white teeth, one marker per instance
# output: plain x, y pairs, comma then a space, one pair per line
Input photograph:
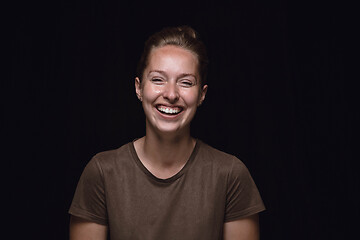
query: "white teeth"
169, 110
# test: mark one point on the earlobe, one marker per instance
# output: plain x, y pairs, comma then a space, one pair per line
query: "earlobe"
203, 94
138, 88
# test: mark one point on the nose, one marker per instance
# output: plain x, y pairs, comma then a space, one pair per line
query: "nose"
171, 92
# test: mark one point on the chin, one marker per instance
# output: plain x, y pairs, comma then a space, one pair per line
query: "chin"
169, 129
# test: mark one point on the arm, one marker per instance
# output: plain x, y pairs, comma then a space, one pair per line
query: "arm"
242, 229
81, 229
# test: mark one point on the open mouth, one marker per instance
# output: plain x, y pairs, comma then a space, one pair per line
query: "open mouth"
169, 110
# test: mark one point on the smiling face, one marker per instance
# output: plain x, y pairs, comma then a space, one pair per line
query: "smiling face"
170, 90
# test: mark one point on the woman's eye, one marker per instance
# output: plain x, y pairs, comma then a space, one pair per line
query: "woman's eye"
157, 80
186, 83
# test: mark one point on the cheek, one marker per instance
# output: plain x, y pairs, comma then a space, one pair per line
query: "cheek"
191, 98
150, 93
156, 90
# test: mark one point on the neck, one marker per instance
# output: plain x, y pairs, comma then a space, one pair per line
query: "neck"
168, 152
165, 150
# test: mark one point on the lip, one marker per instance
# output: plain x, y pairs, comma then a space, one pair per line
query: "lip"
169, 116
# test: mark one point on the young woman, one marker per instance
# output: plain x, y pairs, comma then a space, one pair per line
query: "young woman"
167, 185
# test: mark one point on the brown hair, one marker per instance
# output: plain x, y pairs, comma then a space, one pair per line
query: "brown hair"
185, 37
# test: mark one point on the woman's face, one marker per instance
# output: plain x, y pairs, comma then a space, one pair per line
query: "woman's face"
170, 90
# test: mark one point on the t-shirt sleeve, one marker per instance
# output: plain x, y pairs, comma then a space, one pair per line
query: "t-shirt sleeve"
89, 199
243, 198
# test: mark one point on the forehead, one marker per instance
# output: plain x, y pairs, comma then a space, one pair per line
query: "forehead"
173, 58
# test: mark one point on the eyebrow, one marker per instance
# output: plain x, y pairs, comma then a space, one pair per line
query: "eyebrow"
180, 76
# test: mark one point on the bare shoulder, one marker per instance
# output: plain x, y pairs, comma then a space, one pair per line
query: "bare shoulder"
83, 229
245, 228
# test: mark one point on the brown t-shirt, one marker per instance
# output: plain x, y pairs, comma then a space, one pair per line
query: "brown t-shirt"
213, 187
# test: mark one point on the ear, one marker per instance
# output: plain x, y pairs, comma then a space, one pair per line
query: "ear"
138, 88
203, 94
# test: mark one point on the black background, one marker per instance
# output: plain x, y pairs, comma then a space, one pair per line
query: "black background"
278, 99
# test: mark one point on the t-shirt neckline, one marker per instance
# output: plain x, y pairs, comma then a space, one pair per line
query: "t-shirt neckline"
171, 179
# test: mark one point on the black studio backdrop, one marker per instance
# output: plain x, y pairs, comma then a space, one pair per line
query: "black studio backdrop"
277, 99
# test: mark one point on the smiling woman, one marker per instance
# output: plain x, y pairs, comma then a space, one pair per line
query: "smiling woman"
166, 184
170, 92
